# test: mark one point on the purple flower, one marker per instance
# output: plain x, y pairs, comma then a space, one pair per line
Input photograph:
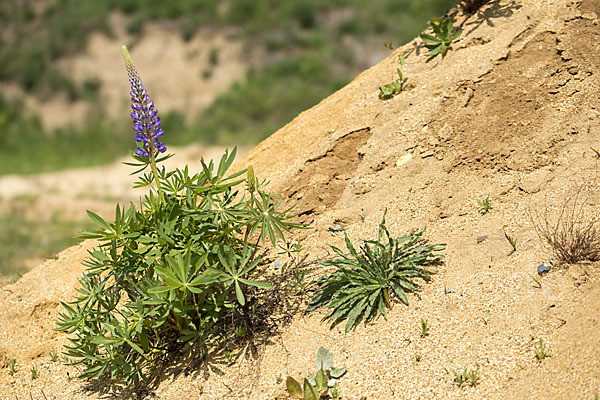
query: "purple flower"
146, 122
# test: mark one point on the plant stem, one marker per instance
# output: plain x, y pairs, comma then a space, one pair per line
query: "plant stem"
155, 173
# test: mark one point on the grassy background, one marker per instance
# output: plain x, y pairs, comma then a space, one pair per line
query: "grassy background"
307, 61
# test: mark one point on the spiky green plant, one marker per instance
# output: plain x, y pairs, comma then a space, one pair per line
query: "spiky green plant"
364, 282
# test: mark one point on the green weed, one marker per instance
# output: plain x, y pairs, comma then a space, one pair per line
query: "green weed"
34, 372
512, 241
12, 366
365, 283
389, 90
53, 354
444, 35
424, 328
317, 386
485, 205
467, 377
540, 350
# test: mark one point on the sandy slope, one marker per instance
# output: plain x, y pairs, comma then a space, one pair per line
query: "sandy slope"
511, 111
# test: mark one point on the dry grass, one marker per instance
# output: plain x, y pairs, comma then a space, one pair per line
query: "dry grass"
571, 230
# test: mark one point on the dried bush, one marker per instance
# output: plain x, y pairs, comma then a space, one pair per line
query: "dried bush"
470, 6
572, 232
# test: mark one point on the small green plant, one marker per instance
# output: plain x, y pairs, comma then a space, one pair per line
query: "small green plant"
34, 372
279, 378
417, 357
364, 283
424, 328
485, 205
445, 34
512, 241
290, 248
53, 354
467, 377
540, 350
12, 366
299, 282
389, 90
322, 384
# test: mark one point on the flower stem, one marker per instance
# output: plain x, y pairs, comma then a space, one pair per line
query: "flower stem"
155, 173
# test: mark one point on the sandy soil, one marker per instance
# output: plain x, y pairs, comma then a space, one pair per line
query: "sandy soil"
511, 111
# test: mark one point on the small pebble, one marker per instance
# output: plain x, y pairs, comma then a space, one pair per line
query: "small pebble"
336, 228
481, 238
542, 268
277, 265
448, 291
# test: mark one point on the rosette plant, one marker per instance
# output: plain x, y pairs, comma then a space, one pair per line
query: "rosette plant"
180, 271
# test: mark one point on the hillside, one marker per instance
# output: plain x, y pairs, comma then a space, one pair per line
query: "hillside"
511, 111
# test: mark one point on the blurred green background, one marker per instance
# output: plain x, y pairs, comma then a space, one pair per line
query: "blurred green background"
308, 50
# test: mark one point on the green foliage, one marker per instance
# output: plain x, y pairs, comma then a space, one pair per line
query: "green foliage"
467, 377
34, 372
364, 283
540, 350
424, 328
53, 354
389, 90
12, 366
511, 240
322, 384
485, 205
445, 34
177, 275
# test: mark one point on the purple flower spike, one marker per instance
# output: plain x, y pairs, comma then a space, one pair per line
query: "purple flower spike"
146, 122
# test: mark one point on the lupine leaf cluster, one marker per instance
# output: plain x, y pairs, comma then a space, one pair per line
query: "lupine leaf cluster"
176, 274
444, 34
365, 281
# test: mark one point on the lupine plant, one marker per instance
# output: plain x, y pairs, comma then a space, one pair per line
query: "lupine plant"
178, 273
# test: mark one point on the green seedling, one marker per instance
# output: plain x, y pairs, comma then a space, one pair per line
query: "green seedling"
424, 328
445, 34
540, 350
389, 90
321, 384
12, 366
485, 205
34, 372
290, 248
467, 377
53, 354
417, 357
511, 240
279, 378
